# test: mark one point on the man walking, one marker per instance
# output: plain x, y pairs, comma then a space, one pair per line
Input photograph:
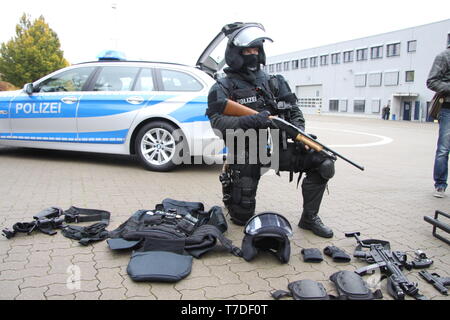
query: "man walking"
439, 81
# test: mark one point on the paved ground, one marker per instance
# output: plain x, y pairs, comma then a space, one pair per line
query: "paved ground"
386, 201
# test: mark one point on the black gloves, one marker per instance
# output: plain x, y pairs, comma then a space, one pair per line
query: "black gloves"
337, 254
256, 121
312, 255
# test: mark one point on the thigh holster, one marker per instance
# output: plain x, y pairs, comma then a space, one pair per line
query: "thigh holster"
239, 185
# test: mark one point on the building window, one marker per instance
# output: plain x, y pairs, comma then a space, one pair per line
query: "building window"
376, 52
278, 66
334, 105
310, 102
313, 62
360, 80
324, 60
376, 103
391, 78
335, 58
412, 46
393, 49
304, 63
359, 106
271, 68
348, 56
409, 76
361, 54
374, 79
286, 66
294, 64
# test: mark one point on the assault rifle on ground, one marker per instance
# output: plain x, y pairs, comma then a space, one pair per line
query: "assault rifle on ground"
390, 263
236, 109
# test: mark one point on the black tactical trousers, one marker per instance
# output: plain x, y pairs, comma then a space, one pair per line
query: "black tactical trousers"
240, 192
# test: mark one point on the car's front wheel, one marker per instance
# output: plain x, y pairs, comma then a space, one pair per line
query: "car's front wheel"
158, 146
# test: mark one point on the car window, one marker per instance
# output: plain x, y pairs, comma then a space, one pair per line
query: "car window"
116, 79
179, 81
145, 81
71, 80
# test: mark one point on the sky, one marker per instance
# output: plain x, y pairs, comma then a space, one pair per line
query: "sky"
178, 31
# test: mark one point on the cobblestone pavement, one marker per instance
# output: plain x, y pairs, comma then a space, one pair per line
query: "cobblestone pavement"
386, 201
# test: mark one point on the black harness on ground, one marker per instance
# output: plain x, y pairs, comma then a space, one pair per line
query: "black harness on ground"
86, 235
49, 220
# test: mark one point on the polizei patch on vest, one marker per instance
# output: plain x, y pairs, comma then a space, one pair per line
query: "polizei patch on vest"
247, 100
193, 310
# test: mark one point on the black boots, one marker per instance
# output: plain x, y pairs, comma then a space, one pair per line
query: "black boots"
315, 224
313, 188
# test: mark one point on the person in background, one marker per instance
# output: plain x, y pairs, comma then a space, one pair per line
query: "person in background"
439, 81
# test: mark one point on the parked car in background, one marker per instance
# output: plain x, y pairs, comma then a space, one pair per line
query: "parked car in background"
154, 110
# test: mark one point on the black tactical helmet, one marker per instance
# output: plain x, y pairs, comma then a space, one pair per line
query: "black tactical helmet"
244, 35
267, 231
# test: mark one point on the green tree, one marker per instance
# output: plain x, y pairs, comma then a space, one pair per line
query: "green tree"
34, 52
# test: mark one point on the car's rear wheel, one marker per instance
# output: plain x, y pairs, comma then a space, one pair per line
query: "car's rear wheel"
158, 145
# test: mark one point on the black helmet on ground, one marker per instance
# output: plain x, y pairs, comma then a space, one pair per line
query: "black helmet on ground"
267, 231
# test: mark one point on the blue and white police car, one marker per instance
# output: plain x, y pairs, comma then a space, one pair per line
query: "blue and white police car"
149, 109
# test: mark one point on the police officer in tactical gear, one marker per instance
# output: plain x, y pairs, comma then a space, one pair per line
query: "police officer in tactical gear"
246, 84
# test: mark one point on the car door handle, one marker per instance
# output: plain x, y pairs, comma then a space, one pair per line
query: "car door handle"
135, 100
69, 100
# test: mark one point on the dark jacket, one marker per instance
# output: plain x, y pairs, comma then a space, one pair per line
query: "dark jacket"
241, 82
439, 77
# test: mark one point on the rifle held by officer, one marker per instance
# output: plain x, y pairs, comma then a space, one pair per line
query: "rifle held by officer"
233, 108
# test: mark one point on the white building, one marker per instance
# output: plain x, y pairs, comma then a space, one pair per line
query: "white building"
361, 76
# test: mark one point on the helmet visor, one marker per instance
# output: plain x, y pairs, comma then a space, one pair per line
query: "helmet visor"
249, 36
268, 219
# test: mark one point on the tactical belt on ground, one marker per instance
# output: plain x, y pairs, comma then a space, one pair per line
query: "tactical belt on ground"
86, 235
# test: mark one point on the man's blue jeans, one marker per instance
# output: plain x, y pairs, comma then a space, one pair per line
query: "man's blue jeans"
440, 173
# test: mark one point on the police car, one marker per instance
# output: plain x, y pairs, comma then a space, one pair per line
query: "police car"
151, 109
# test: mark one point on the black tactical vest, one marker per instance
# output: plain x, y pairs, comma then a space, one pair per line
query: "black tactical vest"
175, 221
257, 95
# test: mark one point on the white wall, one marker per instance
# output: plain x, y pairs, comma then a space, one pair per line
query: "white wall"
337, 80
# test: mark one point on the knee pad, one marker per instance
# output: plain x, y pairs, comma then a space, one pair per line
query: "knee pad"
326, 169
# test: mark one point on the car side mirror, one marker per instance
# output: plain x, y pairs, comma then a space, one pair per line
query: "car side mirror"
28, 88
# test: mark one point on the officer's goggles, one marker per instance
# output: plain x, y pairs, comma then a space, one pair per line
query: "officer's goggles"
249, 36
267, 219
